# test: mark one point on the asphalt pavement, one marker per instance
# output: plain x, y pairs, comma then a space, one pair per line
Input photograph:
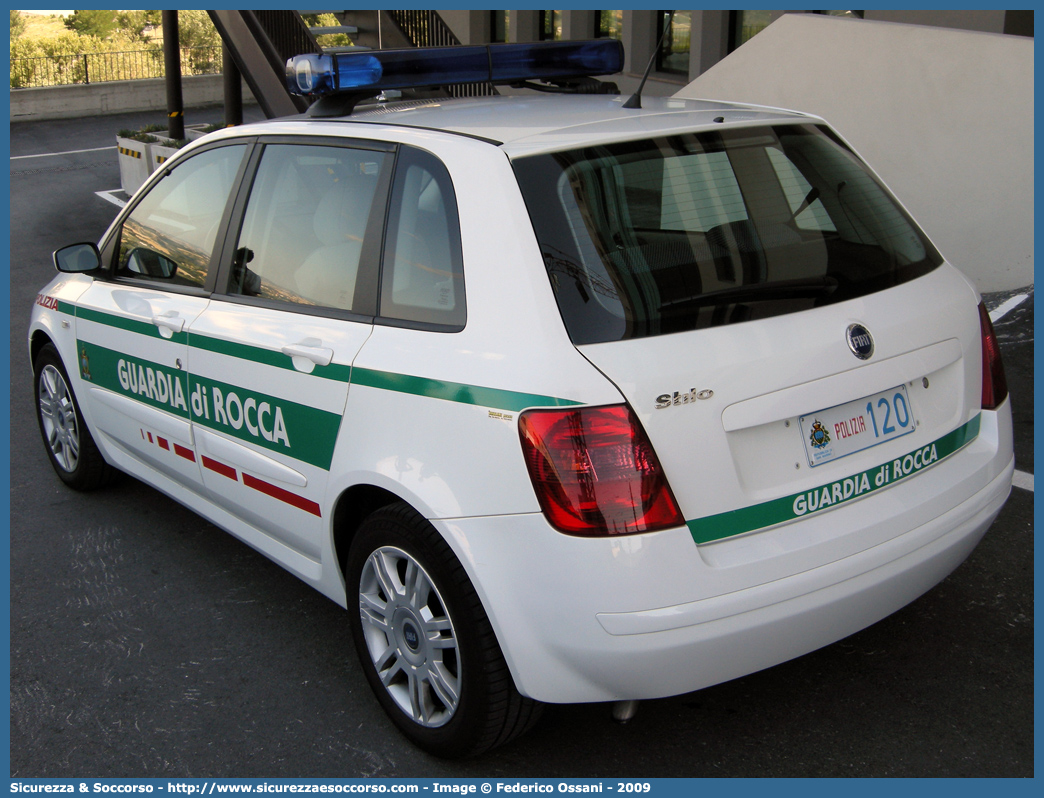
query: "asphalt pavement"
145, 642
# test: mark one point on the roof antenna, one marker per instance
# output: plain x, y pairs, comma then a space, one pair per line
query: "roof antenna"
635, 100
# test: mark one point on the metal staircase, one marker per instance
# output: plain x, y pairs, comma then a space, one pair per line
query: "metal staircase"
260, 42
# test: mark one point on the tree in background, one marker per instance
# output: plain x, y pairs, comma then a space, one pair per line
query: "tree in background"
196, 30
17, 25
92, 22
132, 37
127, 27
197, 33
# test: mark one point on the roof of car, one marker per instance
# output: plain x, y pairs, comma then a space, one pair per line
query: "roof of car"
527, 125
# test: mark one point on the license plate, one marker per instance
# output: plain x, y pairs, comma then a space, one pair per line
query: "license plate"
849, 428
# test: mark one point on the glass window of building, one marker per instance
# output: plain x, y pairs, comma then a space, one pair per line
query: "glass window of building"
745, 24
610, 24
550, 26
673, 56
499, 25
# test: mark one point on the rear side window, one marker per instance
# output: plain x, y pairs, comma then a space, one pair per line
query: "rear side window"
423, 272
698, 230
302, 235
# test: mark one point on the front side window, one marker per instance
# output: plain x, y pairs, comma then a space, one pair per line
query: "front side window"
423, 272
698, 230
306, 218
170, 234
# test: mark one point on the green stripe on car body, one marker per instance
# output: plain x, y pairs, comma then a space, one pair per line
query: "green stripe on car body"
463, 393
295, 430
266, 357
146, 328
455, 391
798, 505
384, 380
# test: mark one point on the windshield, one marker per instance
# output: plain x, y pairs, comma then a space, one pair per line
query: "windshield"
684, 232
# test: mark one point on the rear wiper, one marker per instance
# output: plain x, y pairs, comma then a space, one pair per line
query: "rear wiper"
761, 292
810, 197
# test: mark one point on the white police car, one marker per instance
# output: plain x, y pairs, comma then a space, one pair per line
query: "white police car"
565, 401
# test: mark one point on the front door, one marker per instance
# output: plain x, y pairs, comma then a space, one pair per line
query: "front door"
272, 357
132, 340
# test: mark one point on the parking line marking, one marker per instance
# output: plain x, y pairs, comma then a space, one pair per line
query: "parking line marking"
1020, 479
1005, 308
108, 196
55, 154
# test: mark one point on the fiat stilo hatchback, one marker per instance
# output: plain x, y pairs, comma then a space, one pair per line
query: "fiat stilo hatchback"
564, 401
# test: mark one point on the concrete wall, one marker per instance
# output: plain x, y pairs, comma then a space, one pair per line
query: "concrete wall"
98, 99
468, 26
944, 116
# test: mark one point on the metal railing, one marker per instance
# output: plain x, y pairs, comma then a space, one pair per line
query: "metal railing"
425, 28
84, 68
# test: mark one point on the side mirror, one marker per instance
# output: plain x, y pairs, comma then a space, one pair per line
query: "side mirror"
77, 258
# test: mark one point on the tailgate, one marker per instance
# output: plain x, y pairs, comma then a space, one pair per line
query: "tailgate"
759, 423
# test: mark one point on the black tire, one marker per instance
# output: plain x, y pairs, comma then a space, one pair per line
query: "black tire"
67, 441
455, 698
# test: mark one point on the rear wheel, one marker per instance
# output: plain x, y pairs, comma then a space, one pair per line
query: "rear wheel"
68, 442
425, 643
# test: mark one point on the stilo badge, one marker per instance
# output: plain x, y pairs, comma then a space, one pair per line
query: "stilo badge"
860, 341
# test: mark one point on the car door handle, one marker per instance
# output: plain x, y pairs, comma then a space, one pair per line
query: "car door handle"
310, 349
169, 321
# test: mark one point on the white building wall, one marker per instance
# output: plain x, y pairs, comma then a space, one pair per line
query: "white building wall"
944, 116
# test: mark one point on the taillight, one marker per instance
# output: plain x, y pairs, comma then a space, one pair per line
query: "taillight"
994, 386
595, 472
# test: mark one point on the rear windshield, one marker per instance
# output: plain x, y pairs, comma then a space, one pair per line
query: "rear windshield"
680, 233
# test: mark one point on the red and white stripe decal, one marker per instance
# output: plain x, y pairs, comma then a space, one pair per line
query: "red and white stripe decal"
300, 502
267, 488
219, 468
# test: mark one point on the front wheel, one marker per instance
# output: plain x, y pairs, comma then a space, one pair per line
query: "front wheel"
68, 442
425, 642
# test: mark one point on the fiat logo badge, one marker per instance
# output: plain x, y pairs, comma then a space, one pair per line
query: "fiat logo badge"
860, 341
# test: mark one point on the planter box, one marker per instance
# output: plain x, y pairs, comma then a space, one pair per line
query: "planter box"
161, 153
135, 163
195, 132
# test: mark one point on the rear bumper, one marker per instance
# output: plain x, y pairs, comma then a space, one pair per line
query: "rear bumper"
592, 620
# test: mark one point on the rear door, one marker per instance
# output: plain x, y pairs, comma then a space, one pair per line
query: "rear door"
272, 354
132, 342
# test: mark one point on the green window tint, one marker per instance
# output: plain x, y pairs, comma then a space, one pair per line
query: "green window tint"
698, 230
305, 222
170, 234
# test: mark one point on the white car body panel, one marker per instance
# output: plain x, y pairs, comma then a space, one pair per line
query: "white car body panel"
654, 615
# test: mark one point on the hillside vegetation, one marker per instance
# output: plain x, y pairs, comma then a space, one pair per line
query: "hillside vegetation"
98, 45
50, 50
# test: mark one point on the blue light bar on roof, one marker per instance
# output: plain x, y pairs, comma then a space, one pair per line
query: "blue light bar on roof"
377, 70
